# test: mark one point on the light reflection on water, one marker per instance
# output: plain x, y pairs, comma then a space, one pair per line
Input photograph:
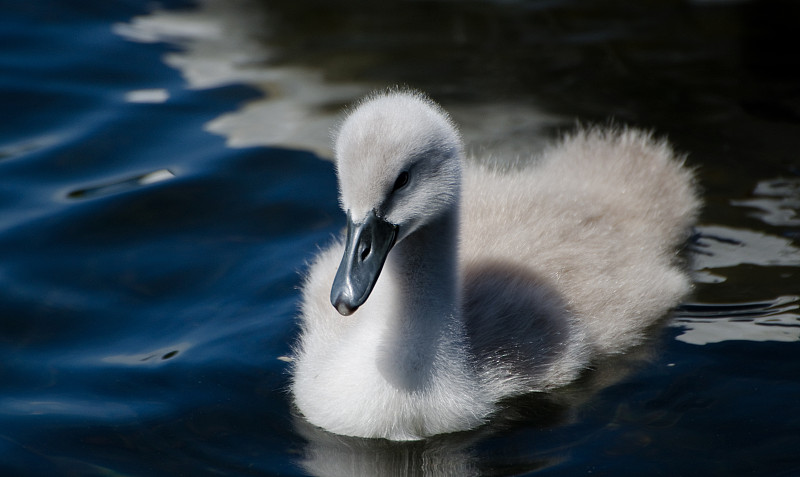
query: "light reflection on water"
775, 320
221, 45
777, 202
720, 247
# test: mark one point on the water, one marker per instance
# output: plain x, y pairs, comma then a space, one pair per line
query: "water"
164, 179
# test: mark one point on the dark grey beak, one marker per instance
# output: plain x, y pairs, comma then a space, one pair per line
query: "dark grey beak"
366, 248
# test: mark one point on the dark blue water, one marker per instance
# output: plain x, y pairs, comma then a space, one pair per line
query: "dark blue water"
159, 201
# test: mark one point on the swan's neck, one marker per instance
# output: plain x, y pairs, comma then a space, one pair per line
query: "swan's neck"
426, 267
423, 322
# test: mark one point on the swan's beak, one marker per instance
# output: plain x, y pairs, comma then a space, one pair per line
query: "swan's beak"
366, 248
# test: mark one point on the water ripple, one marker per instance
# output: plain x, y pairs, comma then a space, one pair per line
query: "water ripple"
718, 247
768, 320
777, 202
121, 185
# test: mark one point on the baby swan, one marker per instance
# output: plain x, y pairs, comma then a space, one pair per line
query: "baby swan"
461, 286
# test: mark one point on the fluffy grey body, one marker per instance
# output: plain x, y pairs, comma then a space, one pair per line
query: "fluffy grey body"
495, 284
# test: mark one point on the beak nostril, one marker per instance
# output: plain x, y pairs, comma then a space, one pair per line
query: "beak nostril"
365, 253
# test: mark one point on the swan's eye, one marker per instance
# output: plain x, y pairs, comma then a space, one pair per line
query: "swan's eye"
401, 181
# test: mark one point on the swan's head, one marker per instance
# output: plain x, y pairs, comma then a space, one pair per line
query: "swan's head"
398, 160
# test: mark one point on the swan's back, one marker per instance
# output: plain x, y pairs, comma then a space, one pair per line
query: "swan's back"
597, 220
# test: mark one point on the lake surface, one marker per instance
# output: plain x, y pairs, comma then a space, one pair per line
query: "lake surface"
165, 176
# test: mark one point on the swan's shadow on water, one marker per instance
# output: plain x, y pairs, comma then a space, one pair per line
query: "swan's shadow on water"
464, 453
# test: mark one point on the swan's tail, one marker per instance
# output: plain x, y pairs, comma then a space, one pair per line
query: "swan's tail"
640, 175
649, 202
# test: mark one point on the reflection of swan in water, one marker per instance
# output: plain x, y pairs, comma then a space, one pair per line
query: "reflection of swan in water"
465, 454
328, 455
558, 265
